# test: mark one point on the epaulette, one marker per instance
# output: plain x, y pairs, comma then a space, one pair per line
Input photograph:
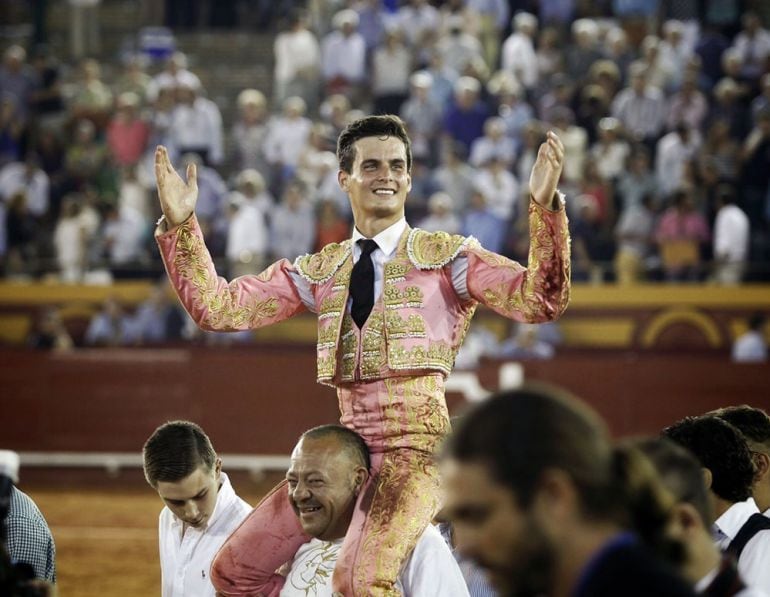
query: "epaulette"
319, 267
433, 250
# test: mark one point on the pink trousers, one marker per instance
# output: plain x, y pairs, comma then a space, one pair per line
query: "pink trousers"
402, 421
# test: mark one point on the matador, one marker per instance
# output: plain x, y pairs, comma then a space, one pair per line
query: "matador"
387, 355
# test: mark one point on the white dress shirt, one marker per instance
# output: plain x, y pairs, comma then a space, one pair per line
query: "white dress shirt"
706, 581
731, 234
185, 561
430, 571
754, 563
387, 243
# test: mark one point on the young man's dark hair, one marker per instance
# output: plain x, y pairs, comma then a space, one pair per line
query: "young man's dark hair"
371, 126
681, 473
175, 450
753, 423
350, 441
524, 432
721, 449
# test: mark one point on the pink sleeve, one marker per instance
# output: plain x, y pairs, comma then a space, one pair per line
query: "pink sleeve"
534, 294
248, 302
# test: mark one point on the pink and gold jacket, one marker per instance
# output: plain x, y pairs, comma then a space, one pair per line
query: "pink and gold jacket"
418, 322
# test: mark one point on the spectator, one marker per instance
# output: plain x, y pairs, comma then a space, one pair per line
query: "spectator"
558, 96
680, 233
292, 225
127, 133
250, 130
46, 100
729, 473
21, 230
247, 237
674, 51
518, 52
70, 241
135, 80
339, 459
201, 507
751, 346
634, 235
538, 498
159, 318
702, 565
331, 227
458, 47
87, 160
499, 187
29, 539
343, 56
755, 175
391, 67
585, 50
688, 106
753, 46
455, 176
124, 234
12, 132
16, 81
754, 425
212, 192
50, 332
297, 63
111, 326
549, 55
465, 117
481, 223
196, 123
93, 98
709, 48
494, 144
26, 177
417, 19
638, 180
731, 239
610, 152
511, 105
729, 105
640, 108
524, 345
721, 151
441, 215
492, 18
174, 73
422, 116
761, 103
575, 141
674, 150
285, 140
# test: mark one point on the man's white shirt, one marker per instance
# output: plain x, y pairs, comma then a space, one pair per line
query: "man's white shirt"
754, 563
431, 570
185, 561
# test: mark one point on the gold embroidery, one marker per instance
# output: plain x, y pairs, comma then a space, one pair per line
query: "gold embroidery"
411, 327
319, 267
332, 303
439, 355
433, 250
394, 298
224, 310
395, 271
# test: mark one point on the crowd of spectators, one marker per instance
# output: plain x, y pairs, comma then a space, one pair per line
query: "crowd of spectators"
665, 117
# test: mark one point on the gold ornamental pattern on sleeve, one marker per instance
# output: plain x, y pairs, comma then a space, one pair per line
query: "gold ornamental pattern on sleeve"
224, 309
548, 273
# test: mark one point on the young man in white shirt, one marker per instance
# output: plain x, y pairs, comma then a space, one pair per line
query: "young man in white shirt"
201, 506
329, 468
729, 473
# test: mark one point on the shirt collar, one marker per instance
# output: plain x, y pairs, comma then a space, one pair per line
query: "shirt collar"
736, 515
387, 240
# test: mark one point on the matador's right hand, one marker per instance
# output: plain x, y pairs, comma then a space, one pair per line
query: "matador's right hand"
177, 198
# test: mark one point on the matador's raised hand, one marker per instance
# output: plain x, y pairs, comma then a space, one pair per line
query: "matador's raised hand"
547, 171
177, 198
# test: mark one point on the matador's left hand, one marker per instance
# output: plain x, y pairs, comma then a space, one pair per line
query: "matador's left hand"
547, 171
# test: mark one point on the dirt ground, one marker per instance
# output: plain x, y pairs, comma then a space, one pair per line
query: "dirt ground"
107, 538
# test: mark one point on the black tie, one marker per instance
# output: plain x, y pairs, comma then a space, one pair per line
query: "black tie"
362, 283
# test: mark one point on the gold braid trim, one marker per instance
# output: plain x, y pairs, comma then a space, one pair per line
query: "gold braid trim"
320, 267
224, 310
433, 250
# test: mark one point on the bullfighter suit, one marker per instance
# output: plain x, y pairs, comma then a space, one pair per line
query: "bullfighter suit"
389, 374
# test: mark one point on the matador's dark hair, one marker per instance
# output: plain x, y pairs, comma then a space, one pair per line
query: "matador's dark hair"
381, 126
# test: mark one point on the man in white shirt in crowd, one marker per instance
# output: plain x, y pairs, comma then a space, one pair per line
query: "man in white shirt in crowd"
728, 471
754, 424
751, 346
201, 506
329, 467
731, 238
